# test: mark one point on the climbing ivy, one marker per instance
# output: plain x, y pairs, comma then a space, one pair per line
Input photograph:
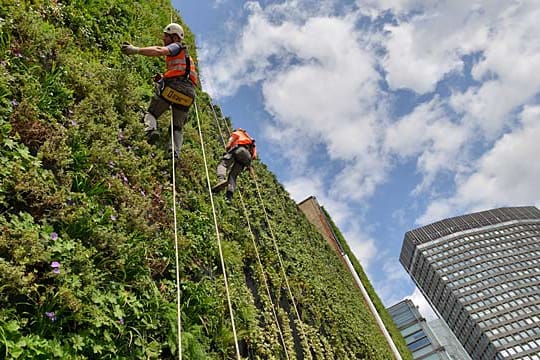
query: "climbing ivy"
87, 253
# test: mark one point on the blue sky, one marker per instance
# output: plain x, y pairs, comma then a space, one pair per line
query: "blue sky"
393, 113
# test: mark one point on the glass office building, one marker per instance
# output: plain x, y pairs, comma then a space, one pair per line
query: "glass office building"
417, 335
481, 273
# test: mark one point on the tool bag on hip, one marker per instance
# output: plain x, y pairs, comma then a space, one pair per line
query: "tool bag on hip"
175, 96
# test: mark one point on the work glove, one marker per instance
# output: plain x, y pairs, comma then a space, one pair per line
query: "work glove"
157, 77
129, 49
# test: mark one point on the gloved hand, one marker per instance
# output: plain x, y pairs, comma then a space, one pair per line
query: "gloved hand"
129, 49
157, 77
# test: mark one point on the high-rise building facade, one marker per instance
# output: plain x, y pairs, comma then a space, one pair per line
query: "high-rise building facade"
446, 338
416, 332
481, 273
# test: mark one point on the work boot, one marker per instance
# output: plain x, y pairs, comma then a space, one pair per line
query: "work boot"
222, 183
152, 136
150, 126
228, 196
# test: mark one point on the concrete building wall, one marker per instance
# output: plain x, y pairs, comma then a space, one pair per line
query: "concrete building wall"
311, 208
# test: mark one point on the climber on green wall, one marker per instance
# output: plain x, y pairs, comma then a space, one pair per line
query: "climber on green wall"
240, 150
175, 88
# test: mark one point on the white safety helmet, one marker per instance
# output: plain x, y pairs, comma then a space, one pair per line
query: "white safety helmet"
174, 28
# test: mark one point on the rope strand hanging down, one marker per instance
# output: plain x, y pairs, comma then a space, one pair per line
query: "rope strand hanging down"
217, 235
261, 267
178, 294
281, 263
279, 257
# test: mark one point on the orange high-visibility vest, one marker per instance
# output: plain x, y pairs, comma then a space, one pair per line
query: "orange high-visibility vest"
176, 66
241, 137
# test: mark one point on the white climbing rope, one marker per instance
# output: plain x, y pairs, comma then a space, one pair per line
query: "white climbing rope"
261, 267
301, 324
281, 262
217, 235
274, 313
178, 308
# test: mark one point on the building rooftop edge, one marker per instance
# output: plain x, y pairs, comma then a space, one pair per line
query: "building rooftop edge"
470, 221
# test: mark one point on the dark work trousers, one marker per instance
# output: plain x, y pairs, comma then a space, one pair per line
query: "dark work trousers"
158, 105
235, 160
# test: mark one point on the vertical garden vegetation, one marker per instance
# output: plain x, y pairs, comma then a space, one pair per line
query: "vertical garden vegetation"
87, 255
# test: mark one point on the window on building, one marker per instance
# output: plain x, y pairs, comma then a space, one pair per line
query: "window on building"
418, 344
415, 336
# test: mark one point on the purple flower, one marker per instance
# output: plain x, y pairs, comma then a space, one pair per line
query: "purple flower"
51, 315
121, 321
54, 236
111, 164
73, 123
14, 102
113, 218
56, 267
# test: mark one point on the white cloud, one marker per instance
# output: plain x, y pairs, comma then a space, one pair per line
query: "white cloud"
359, 179
393, 270
322, 77
509, 63
411, 63
346, 218
362, 246
506, 175
429, 135
301, 188
423, 306
292, 145
319, 83
424, 47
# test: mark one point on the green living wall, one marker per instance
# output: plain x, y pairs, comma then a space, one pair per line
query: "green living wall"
87, 253
381, 310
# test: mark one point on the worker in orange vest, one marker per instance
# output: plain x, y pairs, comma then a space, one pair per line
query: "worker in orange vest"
175, 88
241, 150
